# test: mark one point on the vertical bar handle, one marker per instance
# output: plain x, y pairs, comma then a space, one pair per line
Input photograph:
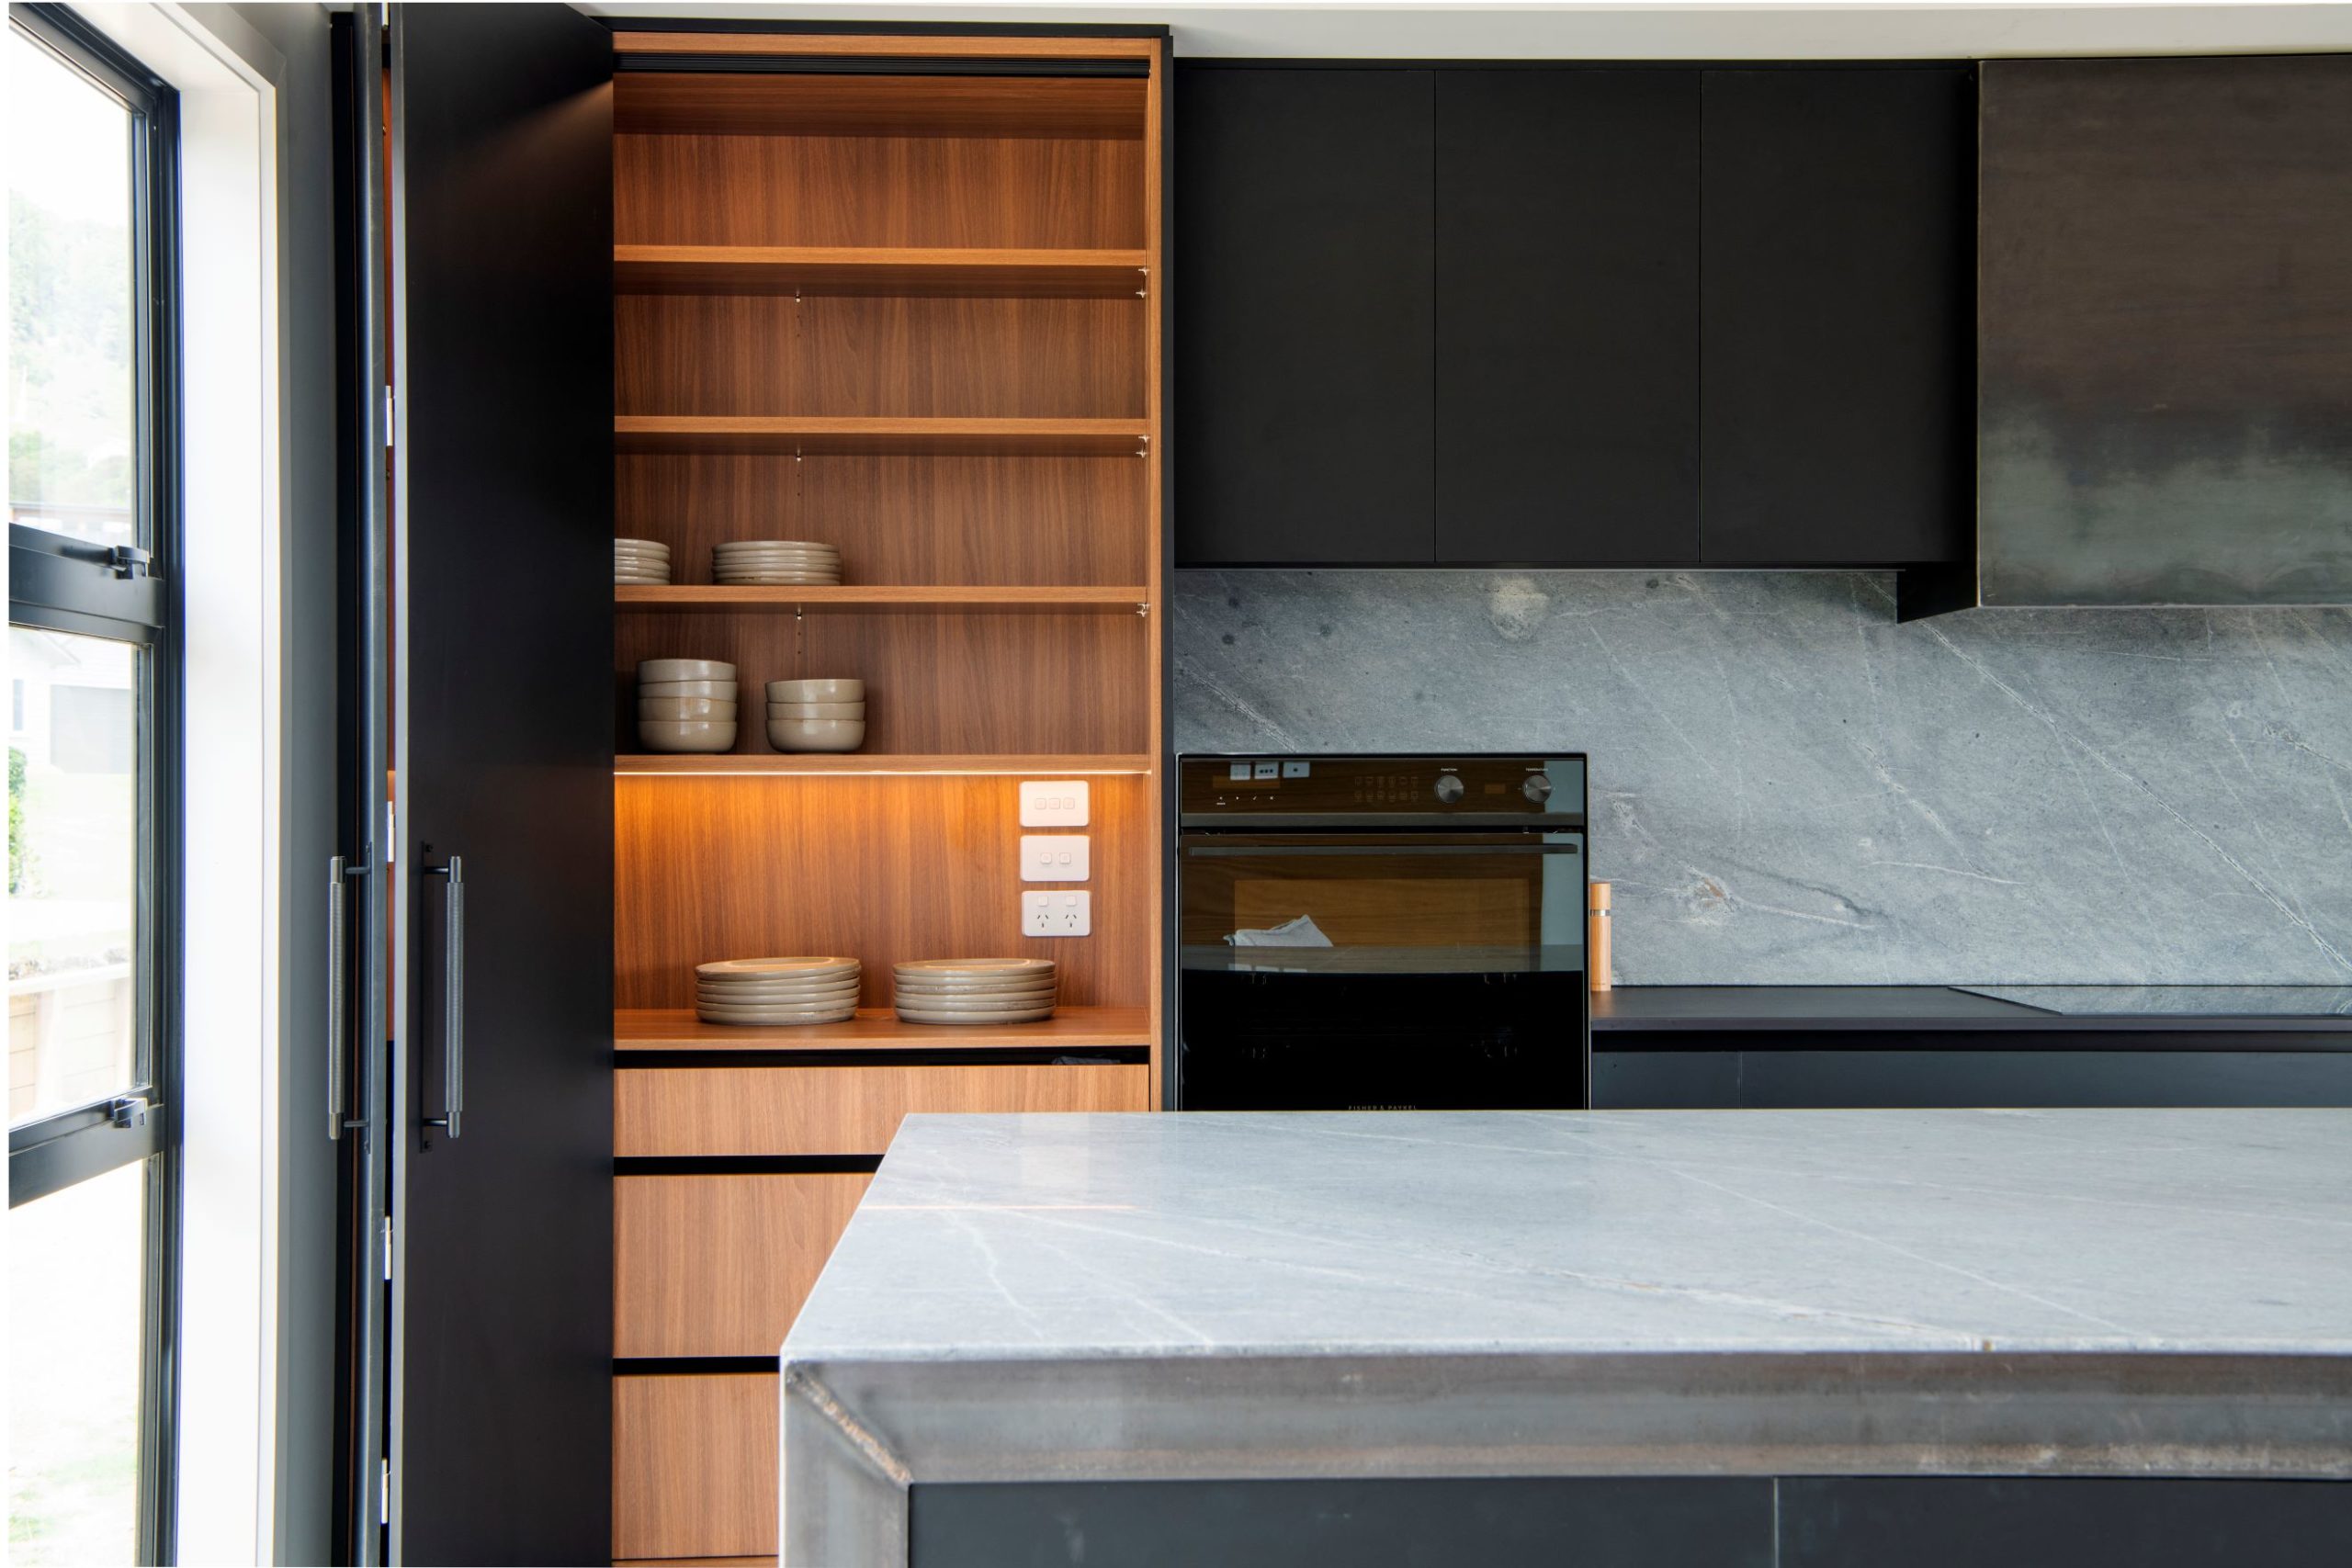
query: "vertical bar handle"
338, 990
453, 1022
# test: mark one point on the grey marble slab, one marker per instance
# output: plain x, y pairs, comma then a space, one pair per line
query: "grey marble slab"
2181, 1001
1075, 1297
1790, 788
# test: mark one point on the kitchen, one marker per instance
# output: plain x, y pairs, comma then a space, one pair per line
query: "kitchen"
1370, 617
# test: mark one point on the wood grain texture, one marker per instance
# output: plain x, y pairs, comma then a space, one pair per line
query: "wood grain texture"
952, 682
909, 46
719, 1265
695, 1465
894, 357
903, 519
1155, 209
841, 1111
2165, 331
960, 191
883, 869
692, 599
1073, 1028
826, 434
880, 270
927, 106
852, 764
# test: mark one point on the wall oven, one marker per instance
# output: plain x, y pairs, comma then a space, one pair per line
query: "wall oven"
1395, 932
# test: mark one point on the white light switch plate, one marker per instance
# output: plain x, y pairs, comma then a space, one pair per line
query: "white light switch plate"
1053, 803
1056, 857
1058, 914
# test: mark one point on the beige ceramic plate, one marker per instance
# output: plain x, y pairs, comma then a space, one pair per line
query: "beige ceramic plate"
642, 579
746, 993
684, 669
817, 710
685, 707
834, 690
755, 1015
955, 966
986, 1003
774, 547
927, 1015
908, 985
686, 734
779, 968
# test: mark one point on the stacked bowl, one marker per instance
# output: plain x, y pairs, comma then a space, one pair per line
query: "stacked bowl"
686, 704
777, 990
816, 716
975, 991
640, 560
801, 562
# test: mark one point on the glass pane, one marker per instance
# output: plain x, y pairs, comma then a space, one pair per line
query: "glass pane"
72, 462
72, 859
75, 1316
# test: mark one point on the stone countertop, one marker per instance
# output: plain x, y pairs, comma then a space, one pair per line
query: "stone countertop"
1153, 1297
2322, 1012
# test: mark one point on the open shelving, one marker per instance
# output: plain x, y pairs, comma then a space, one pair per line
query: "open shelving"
843, 435
852, 764
879, 1029
902, 270
691, 598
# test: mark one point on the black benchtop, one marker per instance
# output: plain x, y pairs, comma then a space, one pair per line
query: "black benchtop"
2036, 1010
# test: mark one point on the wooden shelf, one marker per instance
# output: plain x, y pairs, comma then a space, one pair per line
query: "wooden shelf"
821, 435
699, 598
1021, 106
841, 269
875, 1029
851, 764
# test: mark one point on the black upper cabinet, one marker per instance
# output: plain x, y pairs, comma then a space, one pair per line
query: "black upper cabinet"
1567, 317
1303, 373
1836, 310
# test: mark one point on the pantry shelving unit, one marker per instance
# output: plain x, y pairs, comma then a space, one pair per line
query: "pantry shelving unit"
903, 295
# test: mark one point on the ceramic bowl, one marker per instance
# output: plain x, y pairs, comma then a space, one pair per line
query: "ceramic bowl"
760, 547
645, 557
684, 669
832, 691
817, 710
685, 707
815, 734
727, 689
686, 734
654, 546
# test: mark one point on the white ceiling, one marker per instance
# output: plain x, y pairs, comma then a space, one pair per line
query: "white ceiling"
1726, 29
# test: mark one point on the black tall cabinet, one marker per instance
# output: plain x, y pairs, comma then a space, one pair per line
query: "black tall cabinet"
479, 1320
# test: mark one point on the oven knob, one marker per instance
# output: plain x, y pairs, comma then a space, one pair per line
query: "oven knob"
1449, 788
1537, 788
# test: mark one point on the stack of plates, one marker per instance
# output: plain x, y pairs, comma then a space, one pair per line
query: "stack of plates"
777, 990
816, 716
686, 704
640, 560
976, 990
796, 561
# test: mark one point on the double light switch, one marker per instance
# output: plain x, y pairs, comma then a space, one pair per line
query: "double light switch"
1056, 857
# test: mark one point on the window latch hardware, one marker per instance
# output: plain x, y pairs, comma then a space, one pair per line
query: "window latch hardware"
128, 1110
129, 561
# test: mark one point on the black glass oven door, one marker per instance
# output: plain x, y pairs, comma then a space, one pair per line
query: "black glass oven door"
1377, 971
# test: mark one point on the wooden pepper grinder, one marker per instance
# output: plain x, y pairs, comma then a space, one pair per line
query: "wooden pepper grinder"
1597, 955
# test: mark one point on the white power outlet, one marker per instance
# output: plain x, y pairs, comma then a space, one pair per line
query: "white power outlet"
1057, 914
1056, 857
1053, 803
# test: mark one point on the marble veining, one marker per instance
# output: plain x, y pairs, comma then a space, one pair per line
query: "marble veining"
2216, 1232
1792, 788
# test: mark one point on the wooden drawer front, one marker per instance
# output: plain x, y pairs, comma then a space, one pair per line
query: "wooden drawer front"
719, 1265
695, 1465
840, 1110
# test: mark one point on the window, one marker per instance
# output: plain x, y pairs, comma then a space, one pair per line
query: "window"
93, 796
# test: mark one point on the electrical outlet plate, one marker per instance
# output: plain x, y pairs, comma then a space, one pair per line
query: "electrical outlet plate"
1056, 857
1053, 803
1058, 914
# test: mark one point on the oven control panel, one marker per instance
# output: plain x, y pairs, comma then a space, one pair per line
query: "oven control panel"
1515, 788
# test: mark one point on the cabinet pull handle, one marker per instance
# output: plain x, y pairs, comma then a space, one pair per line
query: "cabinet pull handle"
338, 990
453, 1022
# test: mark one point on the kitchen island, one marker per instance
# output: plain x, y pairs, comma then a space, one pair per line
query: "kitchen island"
1672, 1330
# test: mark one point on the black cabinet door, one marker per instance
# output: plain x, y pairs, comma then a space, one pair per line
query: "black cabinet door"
1303, 318
1568, 348
1838, 300
502, 259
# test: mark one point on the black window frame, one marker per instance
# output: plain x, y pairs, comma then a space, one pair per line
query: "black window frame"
131, 595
